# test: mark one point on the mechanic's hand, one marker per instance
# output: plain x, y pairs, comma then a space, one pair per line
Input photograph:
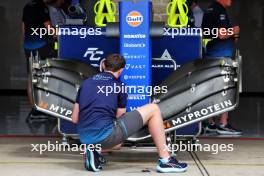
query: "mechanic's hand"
236, 30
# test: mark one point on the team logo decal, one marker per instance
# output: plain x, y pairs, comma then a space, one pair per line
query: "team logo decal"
134, 18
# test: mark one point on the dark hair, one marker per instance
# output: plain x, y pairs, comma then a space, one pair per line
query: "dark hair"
49, 2
114, 62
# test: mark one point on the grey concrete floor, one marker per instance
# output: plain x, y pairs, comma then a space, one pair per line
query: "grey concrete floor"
16, 159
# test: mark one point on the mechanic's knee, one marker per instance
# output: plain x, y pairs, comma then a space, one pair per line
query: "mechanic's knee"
155, 107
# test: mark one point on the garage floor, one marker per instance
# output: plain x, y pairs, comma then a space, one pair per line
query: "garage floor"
16, 159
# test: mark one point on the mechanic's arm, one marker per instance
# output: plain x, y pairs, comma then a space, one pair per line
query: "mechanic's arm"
228, 33
76, 108
75, 113
122, 103
49, 26
120, 112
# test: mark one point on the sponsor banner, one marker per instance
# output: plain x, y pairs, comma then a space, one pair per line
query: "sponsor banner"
169, 54
87, 49
135, 47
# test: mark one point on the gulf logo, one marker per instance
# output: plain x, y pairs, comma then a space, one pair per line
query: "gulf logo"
134, 18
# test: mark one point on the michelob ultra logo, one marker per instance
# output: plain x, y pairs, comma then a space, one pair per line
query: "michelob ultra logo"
134, 18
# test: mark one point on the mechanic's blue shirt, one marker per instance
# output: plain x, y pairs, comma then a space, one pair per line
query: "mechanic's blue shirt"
216, 17
35, 14
34, 42
98, 109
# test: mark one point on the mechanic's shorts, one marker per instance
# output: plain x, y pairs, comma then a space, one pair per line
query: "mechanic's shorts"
124, 126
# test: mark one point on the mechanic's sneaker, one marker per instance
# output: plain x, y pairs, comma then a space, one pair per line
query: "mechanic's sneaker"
171, 166
211, 129
102, 159
92, 161
228, 130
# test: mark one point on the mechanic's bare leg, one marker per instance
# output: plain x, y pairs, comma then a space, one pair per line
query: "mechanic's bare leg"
152, 117
224, 118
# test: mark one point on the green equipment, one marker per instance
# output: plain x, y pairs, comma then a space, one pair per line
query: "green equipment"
177, 12
104, 12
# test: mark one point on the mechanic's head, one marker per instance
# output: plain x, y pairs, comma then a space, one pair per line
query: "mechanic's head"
225, 3
114, 63
193, 3
55, 3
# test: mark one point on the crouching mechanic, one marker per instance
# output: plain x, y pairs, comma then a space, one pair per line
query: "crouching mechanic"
102, 119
